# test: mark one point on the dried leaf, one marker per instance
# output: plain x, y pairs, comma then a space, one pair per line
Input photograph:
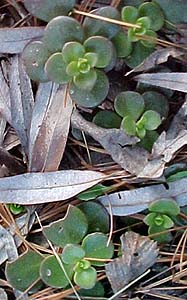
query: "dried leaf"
21, 100
138, 254
8, 248
49, 127
173, 81
129, 202
13, 40
117, 143
35, 188
158, 57
4, 93
3, 295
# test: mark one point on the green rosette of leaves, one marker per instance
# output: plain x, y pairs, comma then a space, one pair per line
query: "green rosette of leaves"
136, 121
160, 218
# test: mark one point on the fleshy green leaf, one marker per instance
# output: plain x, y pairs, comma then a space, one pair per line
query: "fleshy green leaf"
92, 58
16, 209
129, 104
168, 222
140, 132
97, 216
102, 28
129, 14
150, 40
96, 291
61, 30
175, 11
93, 192
71, 229
149, 219
177, 176
138, 54
154, 12
151, 120
165, 206
157, 102
149, 139
52, 274
47, 9
72, 69
95, 246
72, 254
102, 47
85, 81
107, 119
55, 69
162, 237
72, 51
145, 23
86, 279
34, 58
95, 96
24, 271
122, 44
129, 125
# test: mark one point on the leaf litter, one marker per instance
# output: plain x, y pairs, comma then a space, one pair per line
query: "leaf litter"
42, 117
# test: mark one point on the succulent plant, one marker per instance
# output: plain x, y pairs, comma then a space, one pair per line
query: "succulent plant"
136, 121
160, 218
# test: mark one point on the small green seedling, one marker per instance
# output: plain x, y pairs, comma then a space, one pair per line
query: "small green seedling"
148, 17
80, 255
16, 209
161, 217
136, 121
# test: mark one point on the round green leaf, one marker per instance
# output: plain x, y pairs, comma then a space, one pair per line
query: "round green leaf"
159, 220
69, 230
154, 12
149, 139
95, 96
86, 279
138, 54
140, 132
129, 14
107, 119
97, 216
95, 246
168, 222
165, 206
145, 23
34, 56
151, 120
102, 28
72, 69
72, 51
82, 265
149, 219
24, 271
132, 37
85, 81
55, 69
72, 254
122, 44
52, 274
61, 30
150, 40
102, 47
162, 237
91, 58
175, 11
157, 102
47, 9
129, 125
129, 104
96, 291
